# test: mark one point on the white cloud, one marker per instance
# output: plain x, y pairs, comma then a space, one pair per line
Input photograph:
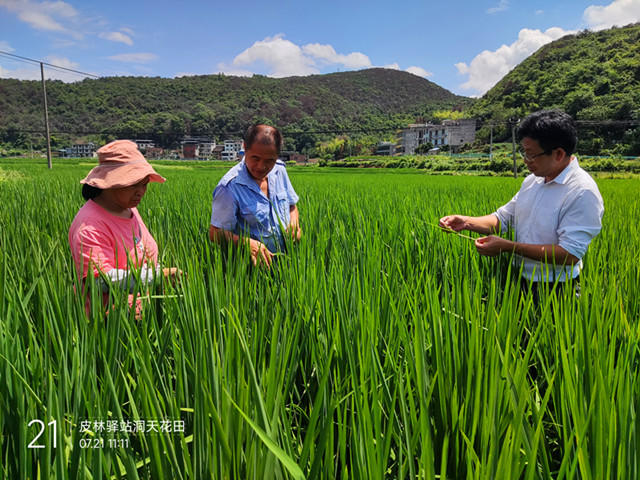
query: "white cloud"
501, 7
617, 13
5, 47
47, 16
228, 71
134, 57
62, 43
239, 72
58, 16
419, 71
326, 54
22, 73
62, 62
32, 72
488, 67
117, 37
283, 58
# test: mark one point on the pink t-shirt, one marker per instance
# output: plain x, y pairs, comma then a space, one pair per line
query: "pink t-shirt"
105, 241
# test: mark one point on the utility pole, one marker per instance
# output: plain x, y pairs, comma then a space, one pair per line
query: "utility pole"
44, 92
46, 116
514, 121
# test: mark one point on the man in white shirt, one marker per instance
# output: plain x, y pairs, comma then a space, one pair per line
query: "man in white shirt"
557, 211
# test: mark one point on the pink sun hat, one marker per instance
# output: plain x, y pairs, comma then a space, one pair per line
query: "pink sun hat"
120, 164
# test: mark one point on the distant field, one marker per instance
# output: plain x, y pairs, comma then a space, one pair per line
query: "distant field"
379, 347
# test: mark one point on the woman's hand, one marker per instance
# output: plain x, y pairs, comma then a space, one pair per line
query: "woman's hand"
174, 275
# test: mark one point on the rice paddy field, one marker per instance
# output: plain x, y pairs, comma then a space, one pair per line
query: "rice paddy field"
378, 348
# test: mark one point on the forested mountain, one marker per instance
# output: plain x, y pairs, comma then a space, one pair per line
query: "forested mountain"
221, 106
594, 76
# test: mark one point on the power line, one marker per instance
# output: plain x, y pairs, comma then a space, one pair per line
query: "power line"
586, 123
319, 132
7, 54
197, 134
44, 93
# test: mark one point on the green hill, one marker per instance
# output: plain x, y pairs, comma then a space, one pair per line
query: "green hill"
594, 76
221, 106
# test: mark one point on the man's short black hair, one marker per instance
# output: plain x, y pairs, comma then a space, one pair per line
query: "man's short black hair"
264, 134
89, 192
551, 129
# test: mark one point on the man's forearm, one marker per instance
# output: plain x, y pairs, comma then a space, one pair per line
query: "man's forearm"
486, 225
551, 253
219, 235
294, 216
554, 254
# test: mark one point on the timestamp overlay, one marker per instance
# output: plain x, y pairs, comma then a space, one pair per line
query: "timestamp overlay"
103, 433
116, 434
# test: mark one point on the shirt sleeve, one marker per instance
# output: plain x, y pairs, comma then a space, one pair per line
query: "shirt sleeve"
580, 222
506, 213
126, 279
291, 193
95, 250
224, 209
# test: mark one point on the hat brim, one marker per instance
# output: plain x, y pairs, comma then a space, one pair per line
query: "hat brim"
112, 176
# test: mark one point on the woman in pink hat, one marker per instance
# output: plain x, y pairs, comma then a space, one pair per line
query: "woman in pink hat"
107, 236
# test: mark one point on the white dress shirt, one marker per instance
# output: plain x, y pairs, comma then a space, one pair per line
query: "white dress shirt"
566, 211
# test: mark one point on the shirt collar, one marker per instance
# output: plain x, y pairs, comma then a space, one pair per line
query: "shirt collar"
245, 178
563, 176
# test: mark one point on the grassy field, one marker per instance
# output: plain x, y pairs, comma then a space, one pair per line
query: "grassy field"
379, 347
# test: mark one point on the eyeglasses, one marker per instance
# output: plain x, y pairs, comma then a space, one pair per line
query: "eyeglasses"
530, 158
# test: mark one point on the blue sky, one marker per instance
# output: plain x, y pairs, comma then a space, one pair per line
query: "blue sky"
464, 46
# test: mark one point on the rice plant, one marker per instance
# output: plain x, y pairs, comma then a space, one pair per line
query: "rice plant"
378, 347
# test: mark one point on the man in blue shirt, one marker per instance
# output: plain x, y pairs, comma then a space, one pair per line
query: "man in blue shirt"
254, 201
